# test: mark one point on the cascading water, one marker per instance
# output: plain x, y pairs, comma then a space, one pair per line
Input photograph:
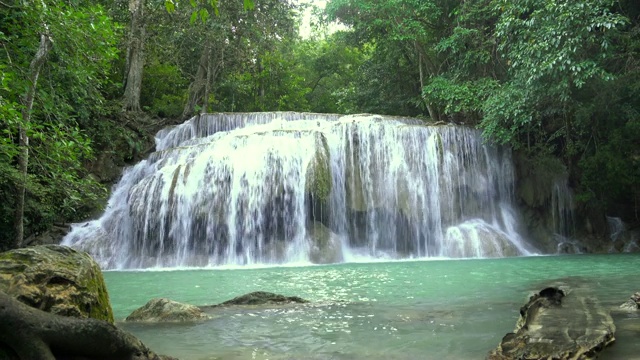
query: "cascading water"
266, 188
562, 208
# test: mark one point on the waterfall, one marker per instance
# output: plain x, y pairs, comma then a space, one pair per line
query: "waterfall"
562, 208
616, 227
273, 188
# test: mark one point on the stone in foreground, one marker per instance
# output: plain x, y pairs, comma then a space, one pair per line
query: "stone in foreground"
54, 305
165, 310
56, 279
559, 324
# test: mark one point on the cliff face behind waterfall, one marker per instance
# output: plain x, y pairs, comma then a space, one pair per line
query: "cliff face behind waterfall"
308, 188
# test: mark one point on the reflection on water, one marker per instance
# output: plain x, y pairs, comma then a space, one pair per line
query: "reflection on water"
395, 310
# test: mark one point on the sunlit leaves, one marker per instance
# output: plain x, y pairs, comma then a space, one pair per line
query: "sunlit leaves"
202, 8
550, 39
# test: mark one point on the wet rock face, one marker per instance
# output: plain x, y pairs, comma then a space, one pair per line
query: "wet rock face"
56, 279
326, 247
165, 310
558, 324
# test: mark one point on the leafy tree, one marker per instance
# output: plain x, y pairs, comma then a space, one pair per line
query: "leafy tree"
552, 49
53, 56
401, 35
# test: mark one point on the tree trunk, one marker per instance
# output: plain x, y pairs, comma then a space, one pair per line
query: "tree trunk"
197, 87
135, 57
208, 68
261, 92
34, 334
212, 73
23, 142
433, 112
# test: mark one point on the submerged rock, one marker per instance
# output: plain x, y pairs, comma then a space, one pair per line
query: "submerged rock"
633, 303
558, 324
56, 279
165, 310
263, 298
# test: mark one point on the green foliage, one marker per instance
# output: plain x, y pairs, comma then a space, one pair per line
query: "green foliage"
163, 93
557, 40
330, 69
68, 96
466, 97
612, 175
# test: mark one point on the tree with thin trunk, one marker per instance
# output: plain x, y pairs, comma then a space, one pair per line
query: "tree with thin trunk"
210, 63
135, 57
23, 158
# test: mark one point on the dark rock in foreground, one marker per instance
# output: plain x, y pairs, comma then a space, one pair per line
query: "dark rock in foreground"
558, 324
263, 298
165, 310
29, 333
56, 279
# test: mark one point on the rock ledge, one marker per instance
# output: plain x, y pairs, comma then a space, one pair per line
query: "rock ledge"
559, 324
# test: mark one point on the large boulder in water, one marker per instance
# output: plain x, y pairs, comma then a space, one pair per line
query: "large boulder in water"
165, 310
559, 324
263, 298
56, 279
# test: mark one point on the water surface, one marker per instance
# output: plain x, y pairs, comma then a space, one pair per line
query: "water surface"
437, 309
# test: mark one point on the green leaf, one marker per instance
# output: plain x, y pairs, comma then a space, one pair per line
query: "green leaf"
170, 6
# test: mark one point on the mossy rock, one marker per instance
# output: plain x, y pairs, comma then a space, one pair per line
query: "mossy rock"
165, 310
56, 279
319, 181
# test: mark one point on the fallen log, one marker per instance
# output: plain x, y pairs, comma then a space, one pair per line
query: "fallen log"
34, 334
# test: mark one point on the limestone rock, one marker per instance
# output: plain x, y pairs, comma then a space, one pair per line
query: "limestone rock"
319, 171
633, 304
558, 324
263, 298
326, 247
56, 279
476, 238
165, 310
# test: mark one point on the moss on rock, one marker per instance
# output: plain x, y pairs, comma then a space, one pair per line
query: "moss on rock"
56, 279
165, 310
319, 180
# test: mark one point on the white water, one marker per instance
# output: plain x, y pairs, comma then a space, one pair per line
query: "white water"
246, 189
